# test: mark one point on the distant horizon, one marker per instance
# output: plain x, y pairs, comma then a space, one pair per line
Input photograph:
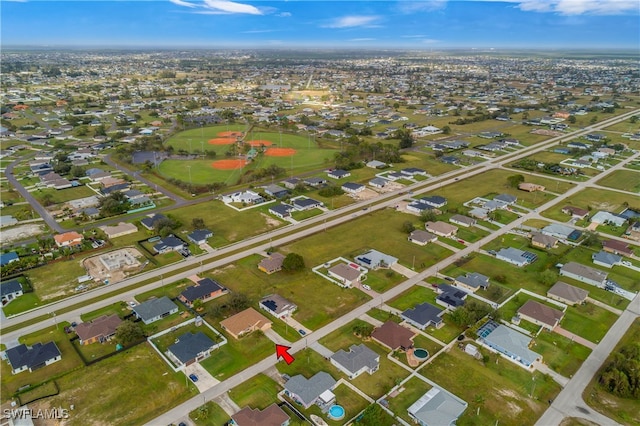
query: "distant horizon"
324, 24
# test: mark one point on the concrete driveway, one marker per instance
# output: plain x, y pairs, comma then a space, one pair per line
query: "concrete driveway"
205, 379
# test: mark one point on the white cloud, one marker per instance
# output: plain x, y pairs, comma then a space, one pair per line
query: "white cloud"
225, 6
576, 7
354, 21
284, 14
183, 3
411, 6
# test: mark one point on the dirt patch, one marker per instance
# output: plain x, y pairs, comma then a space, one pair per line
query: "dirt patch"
230, 134
260, 142
115, 265
222, 141
229, 164
367, 194
21, 232
546, 132
279, 152
271, 222
574, 420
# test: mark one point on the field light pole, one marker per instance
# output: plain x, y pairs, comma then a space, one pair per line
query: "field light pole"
189, 168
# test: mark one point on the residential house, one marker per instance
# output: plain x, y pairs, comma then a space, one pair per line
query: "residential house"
155, 309
575, 212
543, 241
540, 314
437, 407
608, 218
199, 236
22, 357
506, 199
291, 183
530, 187
243, 197
423, 315
568, 294
276, 191
441, 229
434, 201
393, 336
394, 176
315, 182
378, 182
270, 416
375, 164
271, 264
450, 297
152, 221
479, 213
418, 207
7, 220
169, 243
413, 171
472, 281
245, 322
462, 220
10, 290
306, 204
352, 187
190, 348
373, 259
508, 342
516, 256
278, 306
282, 211
617, 247
346, 275
68, 239
584, 274
338, 174
562, 232
119, 230
606, 259
204, 290
316, 390
7, 258
358, 360
100, 329
421, 237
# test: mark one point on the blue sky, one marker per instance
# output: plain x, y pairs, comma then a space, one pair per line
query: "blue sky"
426, 24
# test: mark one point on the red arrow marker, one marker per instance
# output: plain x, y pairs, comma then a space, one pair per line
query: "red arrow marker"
283, 351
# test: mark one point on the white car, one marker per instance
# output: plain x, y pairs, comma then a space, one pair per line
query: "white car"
366, 287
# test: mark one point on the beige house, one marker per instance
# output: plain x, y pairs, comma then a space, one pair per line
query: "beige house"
540, 314
441, 229
245, 322
119, 230
566, 293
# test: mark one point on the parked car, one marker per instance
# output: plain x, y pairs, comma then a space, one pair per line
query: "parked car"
366, 287
193, 378
302, 332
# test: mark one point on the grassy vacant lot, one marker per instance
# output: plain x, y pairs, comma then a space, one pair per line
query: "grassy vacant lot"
119, 308
560, 353
70, 361
593, 199
209, 414
364, 233
627, 180
315, 308
63, 195
501, 389
382, 380
228, 225
232, 357
588, 321
259, 392
140, 386
623, 410
56, 280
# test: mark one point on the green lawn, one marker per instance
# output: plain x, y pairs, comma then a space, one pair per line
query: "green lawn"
412, 390
626, 180
23, 303
623, 410
560, 353
64, 195
499, 388
56, 280
209, 414
140, 387
588, 321
259, 392
70, 361
233, 357
119, 308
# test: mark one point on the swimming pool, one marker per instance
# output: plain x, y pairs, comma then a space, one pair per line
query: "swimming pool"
421, 354
336, 412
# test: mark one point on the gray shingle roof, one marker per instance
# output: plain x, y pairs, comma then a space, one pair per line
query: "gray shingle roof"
308, 390
189, 345
21, 356
154, 307
359, 356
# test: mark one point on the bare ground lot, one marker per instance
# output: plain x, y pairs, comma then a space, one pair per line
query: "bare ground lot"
21, 232
124, 261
